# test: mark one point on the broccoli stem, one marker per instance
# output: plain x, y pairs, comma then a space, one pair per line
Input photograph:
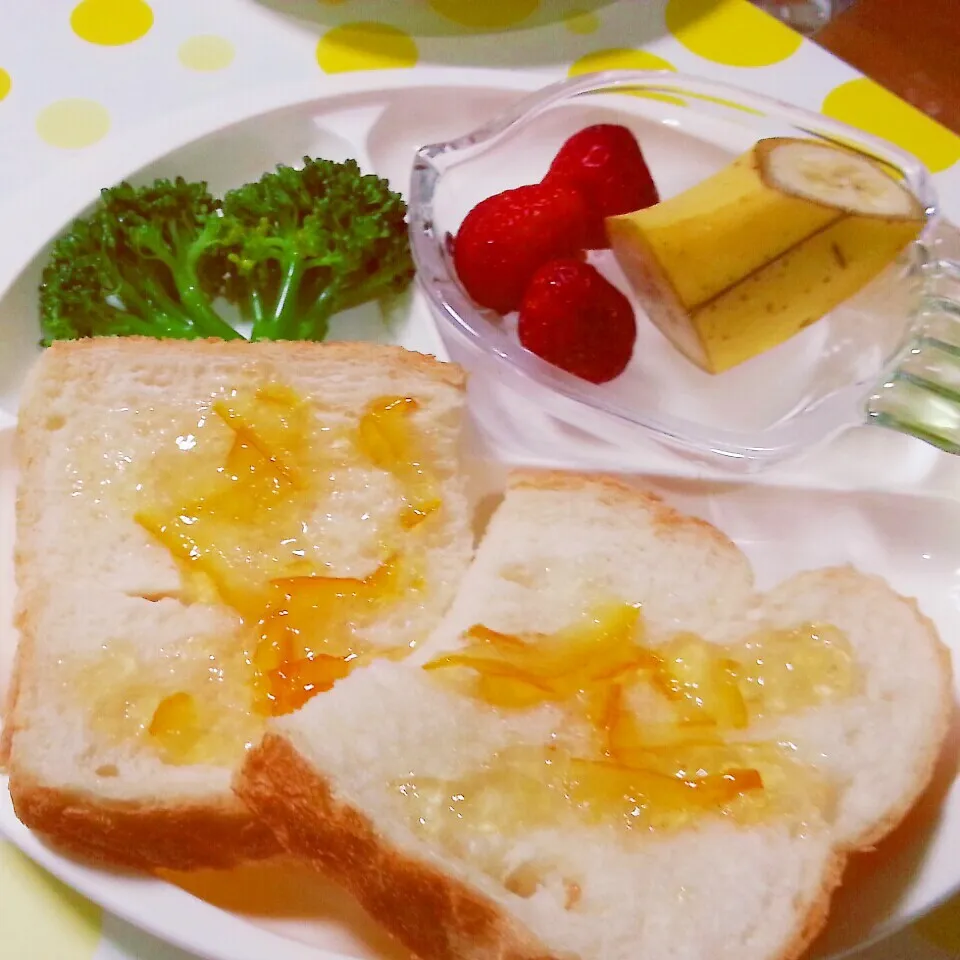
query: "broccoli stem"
160, 308
151, 328
254, 309
281, 324
371, 289
316, 322
209, 322
204, 317
197, 309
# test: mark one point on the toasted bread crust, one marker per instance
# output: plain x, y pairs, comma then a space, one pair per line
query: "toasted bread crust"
927, 763
8, 708
219, 833
67, 352
812, 923
431, 913
141, 836
613, 489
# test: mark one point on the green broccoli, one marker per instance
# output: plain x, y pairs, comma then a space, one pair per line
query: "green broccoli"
290, 250
308, 243
145, 261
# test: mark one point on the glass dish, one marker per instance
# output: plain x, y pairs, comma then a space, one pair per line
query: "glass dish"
888, 356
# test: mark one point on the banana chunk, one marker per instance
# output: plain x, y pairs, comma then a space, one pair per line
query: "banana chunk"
744, 260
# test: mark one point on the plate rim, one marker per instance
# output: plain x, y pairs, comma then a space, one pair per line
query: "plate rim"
214, 931
219, 927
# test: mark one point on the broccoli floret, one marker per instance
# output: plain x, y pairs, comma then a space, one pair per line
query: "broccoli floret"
145, 261
290, 250
305, 244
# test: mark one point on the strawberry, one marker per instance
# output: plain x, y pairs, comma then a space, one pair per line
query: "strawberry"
505, 238
575, 319
605, 164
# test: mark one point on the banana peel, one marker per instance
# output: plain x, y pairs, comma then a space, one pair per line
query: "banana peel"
748, 258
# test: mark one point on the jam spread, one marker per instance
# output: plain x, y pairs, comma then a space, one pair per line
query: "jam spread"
304, 636
238, 515
193, 702
175, 725
670, 725
386, 437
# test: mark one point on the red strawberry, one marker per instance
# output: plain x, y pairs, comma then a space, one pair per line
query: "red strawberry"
605, 164
505, 238
575, 319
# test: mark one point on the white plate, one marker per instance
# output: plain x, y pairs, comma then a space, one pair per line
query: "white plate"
807, 515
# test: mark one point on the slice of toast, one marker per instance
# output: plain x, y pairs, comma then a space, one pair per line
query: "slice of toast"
465, 869
141, 678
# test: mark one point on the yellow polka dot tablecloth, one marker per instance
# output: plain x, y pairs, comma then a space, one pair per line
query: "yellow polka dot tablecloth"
75, 74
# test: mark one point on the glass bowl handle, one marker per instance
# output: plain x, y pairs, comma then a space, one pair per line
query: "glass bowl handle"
921, 394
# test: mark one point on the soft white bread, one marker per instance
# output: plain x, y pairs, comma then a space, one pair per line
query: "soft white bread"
106, 626
715, 889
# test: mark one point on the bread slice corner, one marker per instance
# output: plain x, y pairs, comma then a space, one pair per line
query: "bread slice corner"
422, 902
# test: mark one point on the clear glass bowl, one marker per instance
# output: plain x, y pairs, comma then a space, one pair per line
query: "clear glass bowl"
890, 355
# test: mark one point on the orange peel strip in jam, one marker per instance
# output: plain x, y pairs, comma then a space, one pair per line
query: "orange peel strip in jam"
386, 437
175, 726
629, 742
705, 683
551, 668
305, 637
523, 788
293, 684
603, 783
274, 422
511, 692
